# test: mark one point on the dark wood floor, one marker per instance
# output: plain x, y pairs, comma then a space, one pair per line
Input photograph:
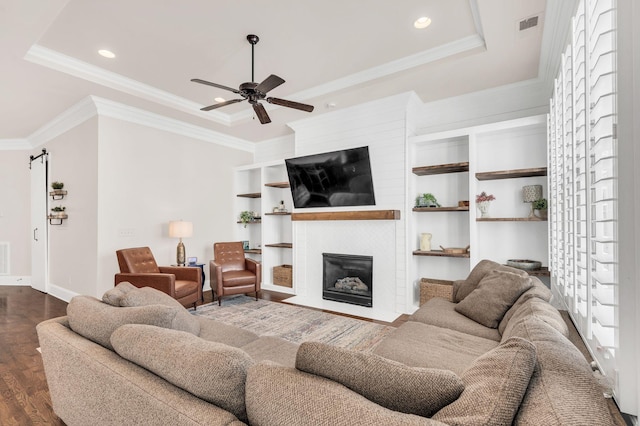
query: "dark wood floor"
24, 395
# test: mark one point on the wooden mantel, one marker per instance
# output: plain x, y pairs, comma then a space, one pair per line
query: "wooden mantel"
349, 215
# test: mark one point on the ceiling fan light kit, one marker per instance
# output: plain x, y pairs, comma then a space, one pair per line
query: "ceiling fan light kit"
254, 92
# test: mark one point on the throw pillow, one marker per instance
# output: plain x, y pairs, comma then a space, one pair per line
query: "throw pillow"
463, 288
412, 390
114, 295
145, 296
495, 294
96, 321
211, 371
494, 384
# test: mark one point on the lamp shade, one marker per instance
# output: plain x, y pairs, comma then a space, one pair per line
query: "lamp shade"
180, 229
531, 193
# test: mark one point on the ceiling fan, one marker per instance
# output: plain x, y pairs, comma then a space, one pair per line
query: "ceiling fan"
254, 92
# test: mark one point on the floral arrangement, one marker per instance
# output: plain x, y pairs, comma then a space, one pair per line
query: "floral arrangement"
484, 197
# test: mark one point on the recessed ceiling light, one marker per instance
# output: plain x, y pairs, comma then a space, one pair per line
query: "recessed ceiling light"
106, 53
423, 22
219, 99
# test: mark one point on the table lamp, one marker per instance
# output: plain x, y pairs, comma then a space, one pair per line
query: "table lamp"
180, 229
531, 193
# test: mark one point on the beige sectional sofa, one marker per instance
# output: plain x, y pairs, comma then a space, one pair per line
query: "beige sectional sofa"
495, 353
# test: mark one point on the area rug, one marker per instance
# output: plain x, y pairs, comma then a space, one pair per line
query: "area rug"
294, 323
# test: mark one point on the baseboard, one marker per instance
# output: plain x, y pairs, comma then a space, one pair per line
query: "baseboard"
15, 280
61, 293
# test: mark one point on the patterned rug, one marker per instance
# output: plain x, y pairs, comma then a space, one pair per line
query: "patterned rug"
294, 323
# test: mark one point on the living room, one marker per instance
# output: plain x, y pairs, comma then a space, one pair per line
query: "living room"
131, 165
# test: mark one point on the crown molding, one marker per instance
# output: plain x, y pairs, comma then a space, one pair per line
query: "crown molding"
52, 59
421, 58
112, 109
92, 106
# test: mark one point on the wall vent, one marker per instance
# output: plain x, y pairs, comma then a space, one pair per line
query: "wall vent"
525, 24
4, 258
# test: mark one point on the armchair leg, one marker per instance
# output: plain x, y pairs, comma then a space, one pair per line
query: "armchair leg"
195, 306
256, 296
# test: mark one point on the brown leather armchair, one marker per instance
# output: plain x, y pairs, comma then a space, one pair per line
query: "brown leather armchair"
139, 267
232, 273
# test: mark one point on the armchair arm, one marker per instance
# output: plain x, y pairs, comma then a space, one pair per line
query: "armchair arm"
255, 267
431, 287
166, 283
185, 273
215, 275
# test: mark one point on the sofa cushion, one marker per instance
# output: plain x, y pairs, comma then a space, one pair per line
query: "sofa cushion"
212, 371
411, 390
216, 331
537, 308
95, 320
279, 395
274, 349
494, 386
113, 296
493, 297
423, 345
462, 288
442, 313
538, 290
563, 390
144, 296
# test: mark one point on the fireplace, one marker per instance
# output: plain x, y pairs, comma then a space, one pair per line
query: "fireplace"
347, 278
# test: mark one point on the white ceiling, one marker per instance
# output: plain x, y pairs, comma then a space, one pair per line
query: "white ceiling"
329, 52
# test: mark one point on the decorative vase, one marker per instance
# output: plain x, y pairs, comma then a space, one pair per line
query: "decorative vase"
425, 242
483, 206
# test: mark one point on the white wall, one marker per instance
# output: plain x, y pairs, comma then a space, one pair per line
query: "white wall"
148, 177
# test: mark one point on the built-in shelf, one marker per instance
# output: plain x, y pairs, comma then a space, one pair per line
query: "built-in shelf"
278, 184
441, 209
511, 174
278, 214
509, 219
280, 245
439, 253
349, 215
253, 251
250, 195
441, 169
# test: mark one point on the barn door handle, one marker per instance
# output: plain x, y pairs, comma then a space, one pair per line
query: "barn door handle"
34, 234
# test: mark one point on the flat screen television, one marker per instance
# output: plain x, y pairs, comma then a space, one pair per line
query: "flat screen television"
331, 179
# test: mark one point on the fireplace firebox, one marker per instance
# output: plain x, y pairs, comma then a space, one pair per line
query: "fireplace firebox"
347, 278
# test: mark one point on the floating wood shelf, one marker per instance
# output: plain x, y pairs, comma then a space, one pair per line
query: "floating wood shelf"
277, 184
58, 194
253, 251
251, 221
511, 174
439, 253
509, 219
278, 214
441, 169
280, 245
441, 209
250, 195
349, 215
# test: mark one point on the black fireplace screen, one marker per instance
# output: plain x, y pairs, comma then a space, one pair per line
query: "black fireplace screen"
347, 278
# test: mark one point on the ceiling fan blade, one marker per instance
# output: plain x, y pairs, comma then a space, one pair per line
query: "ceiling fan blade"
261, 113
219, 86
290, 104
269, 83
221, 104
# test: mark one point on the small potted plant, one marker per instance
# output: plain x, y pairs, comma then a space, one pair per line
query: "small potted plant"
540, 208
57, 192
57, 185
426, 200
483, 201
246, 217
